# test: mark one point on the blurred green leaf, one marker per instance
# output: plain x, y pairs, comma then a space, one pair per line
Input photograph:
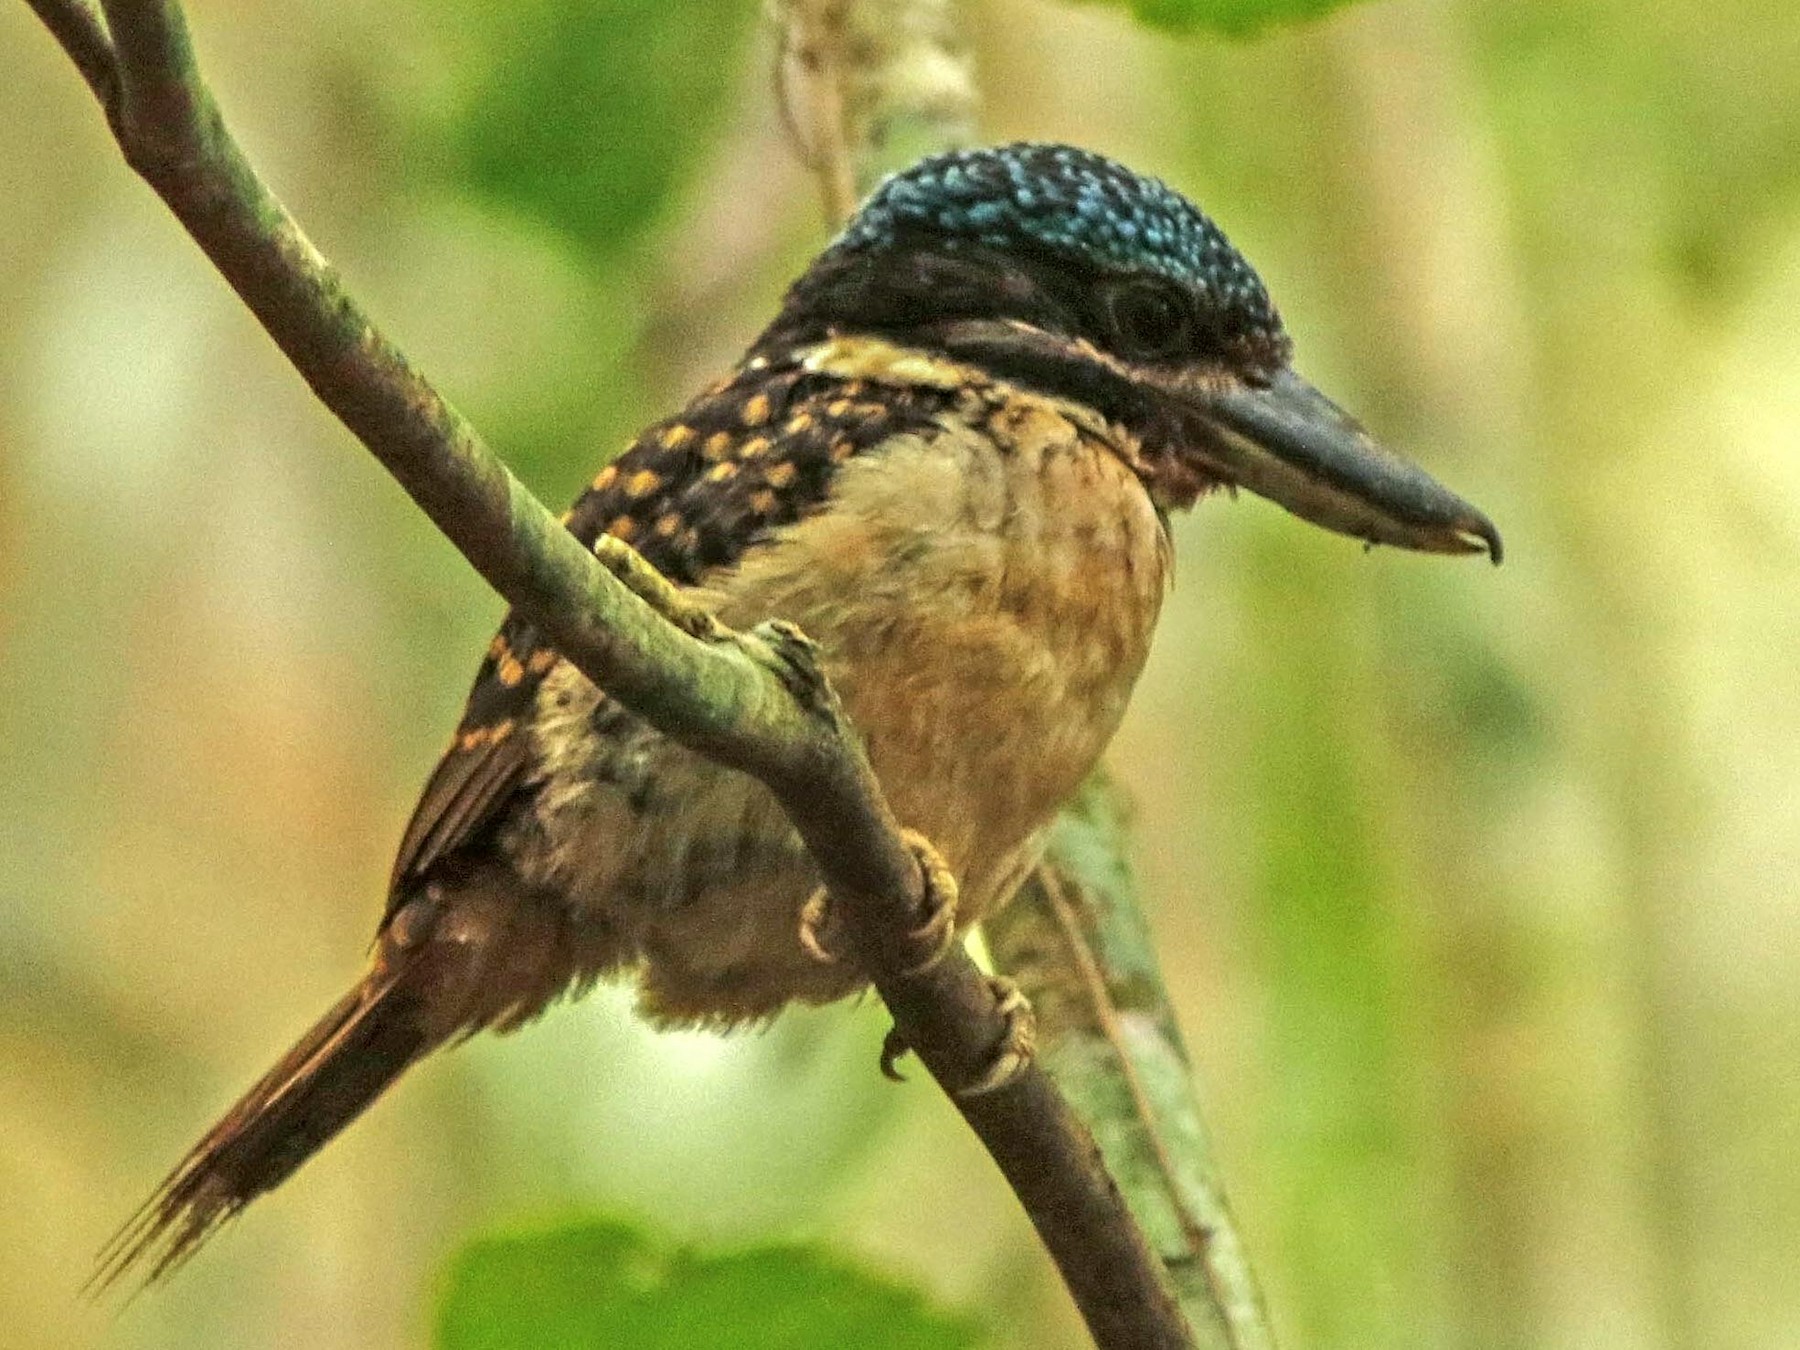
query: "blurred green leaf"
585, 117
1233, 18
605, 1283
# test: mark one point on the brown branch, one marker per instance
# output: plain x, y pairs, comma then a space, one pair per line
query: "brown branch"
753, 702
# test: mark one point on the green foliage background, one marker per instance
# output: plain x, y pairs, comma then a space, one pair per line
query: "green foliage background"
606, 1286
1475, 889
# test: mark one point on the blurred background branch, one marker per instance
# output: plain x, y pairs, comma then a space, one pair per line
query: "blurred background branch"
1075, 936
868, 86
1077, 941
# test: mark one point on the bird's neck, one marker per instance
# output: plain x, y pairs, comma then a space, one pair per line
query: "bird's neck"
885, 361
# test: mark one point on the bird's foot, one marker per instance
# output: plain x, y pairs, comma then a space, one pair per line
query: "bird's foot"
1011, 1054
1017, 1045
815, 917
932, 940
926, 944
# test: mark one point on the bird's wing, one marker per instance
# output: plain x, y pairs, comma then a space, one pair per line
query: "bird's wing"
692, 494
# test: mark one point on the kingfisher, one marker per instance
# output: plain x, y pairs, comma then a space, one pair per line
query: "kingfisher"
950, 460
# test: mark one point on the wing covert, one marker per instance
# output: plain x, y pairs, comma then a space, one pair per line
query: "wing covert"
692, 494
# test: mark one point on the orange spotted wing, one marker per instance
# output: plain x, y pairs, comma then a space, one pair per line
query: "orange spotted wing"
692, 494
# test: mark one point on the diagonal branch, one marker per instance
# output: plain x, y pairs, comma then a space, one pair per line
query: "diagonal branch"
754, 701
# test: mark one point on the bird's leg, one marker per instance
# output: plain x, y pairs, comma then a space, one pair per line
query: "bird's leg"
928, 944
931, 941
1015, 1049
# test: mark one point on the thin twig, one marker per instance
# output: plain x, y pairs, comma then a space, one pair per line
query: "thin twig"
754, 703
657, 591
78, 27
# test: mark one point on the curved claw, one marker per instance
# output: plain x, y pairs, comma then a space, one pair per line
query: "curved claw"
937, 934
814, 915
893, 1049
1011, 1055
1016, 1048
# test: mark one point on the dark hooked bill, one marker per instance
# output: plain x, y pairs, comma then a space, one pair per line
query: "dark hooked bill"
1286, 441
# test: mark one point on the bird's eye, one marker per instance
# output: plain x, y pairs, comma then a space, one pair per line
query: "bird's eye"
1146, 320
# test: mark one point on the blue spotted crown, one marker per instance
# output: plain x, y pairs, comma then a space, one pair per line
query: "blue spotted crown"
1066, 200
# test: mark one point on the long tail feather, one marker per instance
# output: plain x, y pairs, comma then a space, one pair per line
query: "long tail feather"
335, 1071
492, 955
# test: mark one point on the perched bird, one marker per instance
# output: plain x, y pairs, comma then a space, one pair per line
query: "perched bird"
949, 460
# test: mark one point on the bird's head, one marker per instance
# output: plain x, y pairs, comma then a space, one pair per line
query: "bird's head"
1062, 271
